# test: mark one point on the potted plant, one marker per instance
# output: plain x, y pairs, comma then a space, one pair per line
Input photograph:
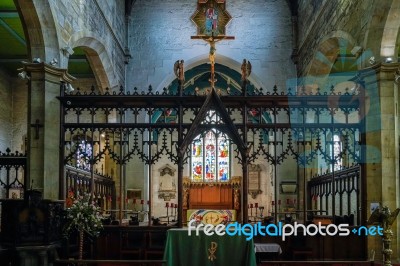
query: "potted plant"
83, 216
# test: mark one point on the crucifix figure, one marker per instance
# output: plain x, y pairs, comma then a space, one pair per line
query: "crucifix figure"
211, 56
37, 126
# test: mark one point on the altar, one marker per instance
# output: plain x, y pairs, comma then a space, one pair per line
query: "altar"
203, 250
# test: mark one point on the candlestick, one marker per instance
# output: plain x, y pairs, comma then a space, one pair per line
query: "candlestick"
255, 218
251, 205
176, 211
261, 211
256, 205
167, 206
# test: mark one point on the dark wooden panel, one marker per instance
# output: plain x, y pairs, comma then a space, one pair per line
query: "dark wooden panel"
211, 197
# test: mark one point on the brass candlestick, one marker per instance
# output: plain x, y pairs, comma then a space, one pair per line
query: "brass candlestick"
382, 216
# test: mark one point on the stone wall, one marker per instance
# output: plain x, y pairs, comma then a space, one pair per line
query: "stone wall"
99, 25
5, 112
160, 31
360, 23
19, 114
13, 113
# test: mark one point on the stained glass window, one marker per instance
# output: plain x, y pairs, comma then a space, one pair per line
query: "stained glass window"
83, 154
210, 157
337, 150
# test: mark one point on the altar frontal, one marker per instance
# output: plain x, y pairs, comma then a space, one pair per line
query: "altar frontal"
213, 217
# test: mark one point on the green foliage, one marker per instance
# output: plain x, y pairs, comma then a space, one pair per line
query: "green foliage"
84, 216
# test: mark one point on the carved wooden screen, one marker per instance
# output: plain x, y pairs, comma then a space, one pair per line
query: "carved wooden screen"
270, 125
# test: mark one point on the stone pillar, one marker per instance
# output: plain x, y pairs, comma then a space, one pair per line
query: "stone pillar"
44, 127
381, 147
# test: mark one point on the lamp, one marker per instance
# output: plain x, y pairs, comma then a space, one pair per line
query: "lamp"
54, 62
23, 75
288, 187
372, 60
69, 88
67, 50
388, 60
356, 51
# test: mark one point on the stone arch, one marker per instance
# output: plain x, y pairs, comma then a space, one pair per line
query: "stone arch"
389, 46
35, 16
328, 51
203, 59
98, 58
330, 48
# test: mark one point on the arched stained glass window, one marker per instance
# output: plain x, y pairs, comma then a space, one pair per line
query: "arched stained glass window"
83, 154
337, 150
210, 157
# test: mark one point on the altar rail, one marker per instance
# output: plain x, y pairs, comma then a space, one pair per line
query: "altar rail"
124, 243
319, 247
316, 262
111, 262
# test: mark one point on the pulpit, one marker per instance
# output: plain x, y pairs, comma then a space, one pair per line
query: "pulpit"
31, 227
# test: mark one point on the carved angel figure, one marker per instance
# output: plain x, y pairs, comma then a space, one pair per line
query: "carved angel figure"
178, 70
246, 69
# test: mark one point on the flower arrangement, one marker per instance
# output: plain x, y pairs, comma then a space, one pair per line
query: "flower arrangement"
84, 217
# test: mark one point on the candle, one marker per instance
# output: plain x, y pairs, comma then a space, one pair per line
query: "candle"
167, 204
142, 201
176, 205
251, 205
256, 205
273, 203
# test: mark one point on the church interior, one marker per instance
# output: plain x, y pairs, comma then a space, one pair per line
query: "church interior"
124, 123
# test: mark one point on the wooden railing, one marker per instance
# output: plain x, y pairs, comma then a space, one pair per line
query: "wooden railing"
14, 179
79, 180
316, 262
344, 185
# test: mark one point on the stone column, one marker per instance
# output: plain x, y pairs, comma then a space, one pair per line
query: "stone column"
381, 135
44, 127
